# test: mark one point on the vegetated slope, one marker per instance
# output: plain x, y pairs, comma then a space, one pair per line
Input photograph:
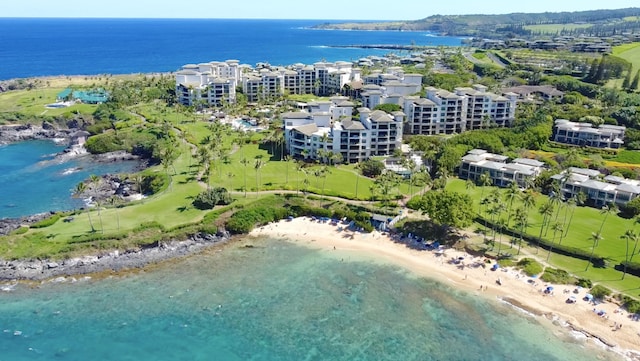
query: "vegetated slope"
602, 22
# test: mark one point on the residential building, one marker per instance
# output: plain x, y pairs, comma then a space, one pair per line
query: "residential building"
208, 83
485, 109
328, 127
584, 134
501, 173
599, 190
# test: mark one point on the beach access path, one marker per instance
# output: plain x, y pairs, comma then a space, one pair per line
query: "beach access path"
516, 288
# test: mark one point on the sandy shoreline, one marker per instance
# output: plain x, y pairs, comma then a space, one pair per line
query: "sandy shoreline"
516, 288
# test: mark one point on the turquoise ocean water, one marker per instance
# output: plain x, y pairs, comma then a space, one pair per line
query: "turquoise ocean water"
33, 180
276, 301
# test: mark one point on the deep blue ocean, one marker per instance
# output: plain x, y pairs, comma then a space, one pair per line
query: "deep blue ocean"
36, 47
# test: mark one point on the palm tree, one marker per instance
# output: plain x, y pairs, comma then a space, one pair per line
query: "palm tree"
557, 227
521, 222
629, 235
115, 203
325, 172
95, 182
81, 188
546, 210
512, 192
469, 185
595, 238
484, 181
299, 168
244, 161
606, 210
259, 163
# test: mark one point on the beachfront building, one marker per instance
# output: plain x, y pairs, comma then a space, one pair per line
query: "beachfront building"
501, 173
93, 96
262, 85
210, 84
600, 190
328, 129
584, 134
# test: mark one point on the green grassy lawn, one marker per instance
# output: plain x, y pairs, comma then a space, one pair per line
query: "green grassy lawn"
32, 102
629, 52
586, 221
555, 28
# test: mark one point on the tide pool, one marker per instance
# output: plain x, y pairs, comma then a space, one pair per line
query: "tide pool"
275, 301
33, 181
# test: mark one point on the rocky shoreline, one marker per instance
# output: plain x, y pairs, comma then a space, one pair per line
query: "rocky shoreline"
21, 132
40, 270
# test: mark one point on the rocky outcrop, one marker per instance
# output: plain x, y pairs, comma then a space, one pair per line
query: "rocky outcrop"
20, 132
37, 270
8, 225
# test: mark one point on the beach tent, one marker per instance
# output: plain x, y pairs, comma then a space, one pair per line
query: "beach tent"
588, 297
571, 299
495, 267
549, 289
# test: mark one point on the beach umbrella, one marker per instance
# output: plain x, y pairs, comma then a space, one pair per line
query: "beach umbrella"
550, 288
588, 297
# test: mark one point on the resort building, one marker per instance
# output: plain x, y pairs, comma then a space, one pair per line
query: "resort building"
444, 112
93, 96
584, 134
328, 130
209, 84
501, 173
600, 190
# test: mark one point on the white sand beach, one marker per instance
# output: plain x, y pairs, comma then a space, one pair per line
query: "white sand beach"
615, 329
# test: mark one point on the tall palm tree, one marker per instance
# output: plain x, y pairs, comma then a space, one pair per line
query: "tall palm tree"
483, 181
512, 193
245, 162
115, 203
95, 184
629, 235
546, 210
557, 227
81, 188
595, 239
521, 219
606, 210
325, 171
259, 163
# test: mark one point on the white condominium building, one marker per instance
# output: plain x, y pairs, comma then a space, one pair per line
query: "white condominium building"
501, 173
444, 112
600, 190
330, 129
209, 84
584, 134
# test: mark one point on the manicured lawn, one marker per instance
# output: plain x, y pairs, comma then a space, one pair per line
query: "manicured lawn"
32, 102
631, 53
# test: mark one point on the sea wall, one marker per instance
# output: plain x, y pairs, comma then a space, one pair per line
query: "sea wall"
36, 270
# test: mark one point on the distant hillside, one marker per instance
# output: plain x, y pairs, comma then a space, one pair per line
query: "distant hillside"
592, 22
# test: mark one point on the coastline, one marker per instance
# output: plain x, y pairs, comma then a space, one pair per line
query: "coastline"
516, 290
15, 272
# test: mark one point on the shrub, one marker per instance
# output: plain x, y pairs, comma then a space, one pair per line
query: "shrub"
600, 292
371, 168
584, 283
47, 221
554, 275
212, 197
21, 230
245, 220
530, 266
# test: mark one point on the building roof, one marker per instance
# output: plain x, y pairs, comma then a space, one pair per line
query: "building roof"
296, 115
307, 129
380, 116
349, 124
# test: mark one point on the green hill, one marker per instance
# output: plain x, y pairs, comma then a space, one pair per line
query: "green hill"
593, 22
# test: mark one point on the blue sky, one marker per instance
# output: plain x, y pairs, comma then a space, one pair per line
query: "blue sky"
292, 9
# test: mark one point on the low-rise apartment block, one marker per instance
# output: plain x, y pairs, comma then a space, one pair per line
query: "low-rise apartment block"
584, 134
599, 190
502, 174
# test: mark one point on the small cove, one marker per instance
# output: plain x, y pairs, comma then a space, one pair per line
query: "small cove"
33, 180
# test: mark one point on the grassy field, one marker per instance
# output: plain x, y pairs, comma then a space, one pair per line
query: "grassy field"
586, 221
631, 53
552, 29
32, 102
